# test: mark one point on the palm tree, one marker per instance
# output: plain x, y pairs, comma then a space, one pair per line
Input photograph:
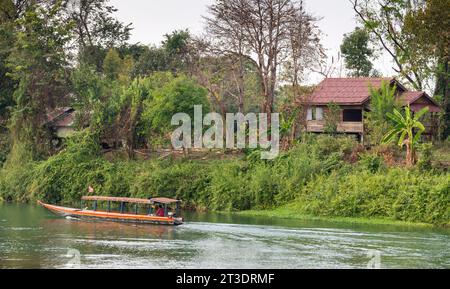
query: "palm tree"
407, 130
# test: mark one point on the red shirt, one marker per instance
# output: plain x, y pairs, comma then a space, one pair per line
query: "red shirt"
160, 212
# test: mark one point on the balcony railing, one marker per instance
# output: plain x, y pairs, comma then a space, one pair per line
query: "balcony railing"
343, 127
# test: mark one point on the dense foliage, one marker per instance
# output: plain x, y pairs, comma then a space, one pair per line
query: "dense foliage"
396, 193
382, 102
313, 177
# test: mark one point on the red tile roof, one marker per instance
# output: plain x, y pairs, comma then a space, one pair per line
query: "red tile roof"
66, 120
345, 91
356, 91
57, 113
410, 97
61, 117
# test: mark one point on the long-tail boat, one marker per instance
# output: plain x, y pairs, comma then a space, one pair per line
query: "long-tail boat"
159, 211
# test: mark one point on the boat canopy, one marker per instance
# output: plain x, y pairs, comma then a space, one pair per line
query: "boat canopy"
131, 200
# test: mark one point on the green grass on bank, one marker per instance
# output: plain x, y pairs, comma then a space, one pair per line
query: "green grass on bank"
287, 213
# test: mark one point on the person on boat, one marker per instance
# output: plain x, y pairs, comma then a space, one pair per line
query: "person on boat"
160, 212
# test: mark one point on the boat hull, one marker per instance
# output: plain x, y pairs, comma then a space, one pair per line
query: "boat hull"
111, 217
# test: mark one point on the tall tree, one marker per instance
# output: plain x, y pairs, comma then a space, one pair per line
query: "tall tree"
429, 28
305, 53
152, 60
169, 96
331, 67
174, 54
304, 50
220, 74
95, 23
131, 108
357, 53
14, 9
259, 27
7, 18
385, 20
38, 62
227, 39
96, 29
177, 47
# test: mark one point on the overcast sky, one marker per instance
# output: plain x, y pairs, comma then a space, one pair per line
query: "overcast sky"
153, 18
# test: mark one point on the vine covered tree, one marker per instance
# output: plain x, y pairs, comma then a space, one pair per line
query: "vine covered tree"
38, 62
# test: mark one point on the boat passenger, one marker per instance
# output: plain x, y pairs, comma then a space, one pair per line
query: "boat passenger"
160, 212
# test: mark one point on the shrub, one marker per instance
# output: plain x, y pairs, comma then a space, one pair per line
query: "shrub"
228, 189
263, 187
14, 182
66, 176
425, 157
397, 193
184, 180
293, 170
4, 147
372, 162
323, 146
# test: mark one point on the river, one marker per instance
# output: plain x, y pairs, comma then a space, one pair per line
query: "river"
31, 237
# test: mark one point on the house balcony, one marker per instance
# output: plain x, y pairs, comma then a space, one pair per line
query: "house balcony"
343, 127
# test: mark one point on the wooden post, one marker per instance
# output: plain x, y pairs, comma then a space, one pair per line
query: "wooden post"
178, 209
109, 206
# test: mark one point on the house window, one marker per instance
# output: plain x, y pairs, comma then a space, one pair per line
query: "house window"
315, 113
352, 115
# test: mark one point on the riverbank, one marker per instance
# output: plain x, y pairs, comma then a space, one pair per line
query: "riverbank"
287, 214
322, 177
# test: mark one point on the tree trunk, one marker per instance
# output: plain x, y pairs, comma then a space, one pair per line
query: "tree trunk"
410, 154
241, 81
442, 89
293, 131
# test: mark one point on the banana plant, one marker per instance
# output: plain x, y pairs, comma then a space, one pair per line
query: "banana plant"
407, 131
